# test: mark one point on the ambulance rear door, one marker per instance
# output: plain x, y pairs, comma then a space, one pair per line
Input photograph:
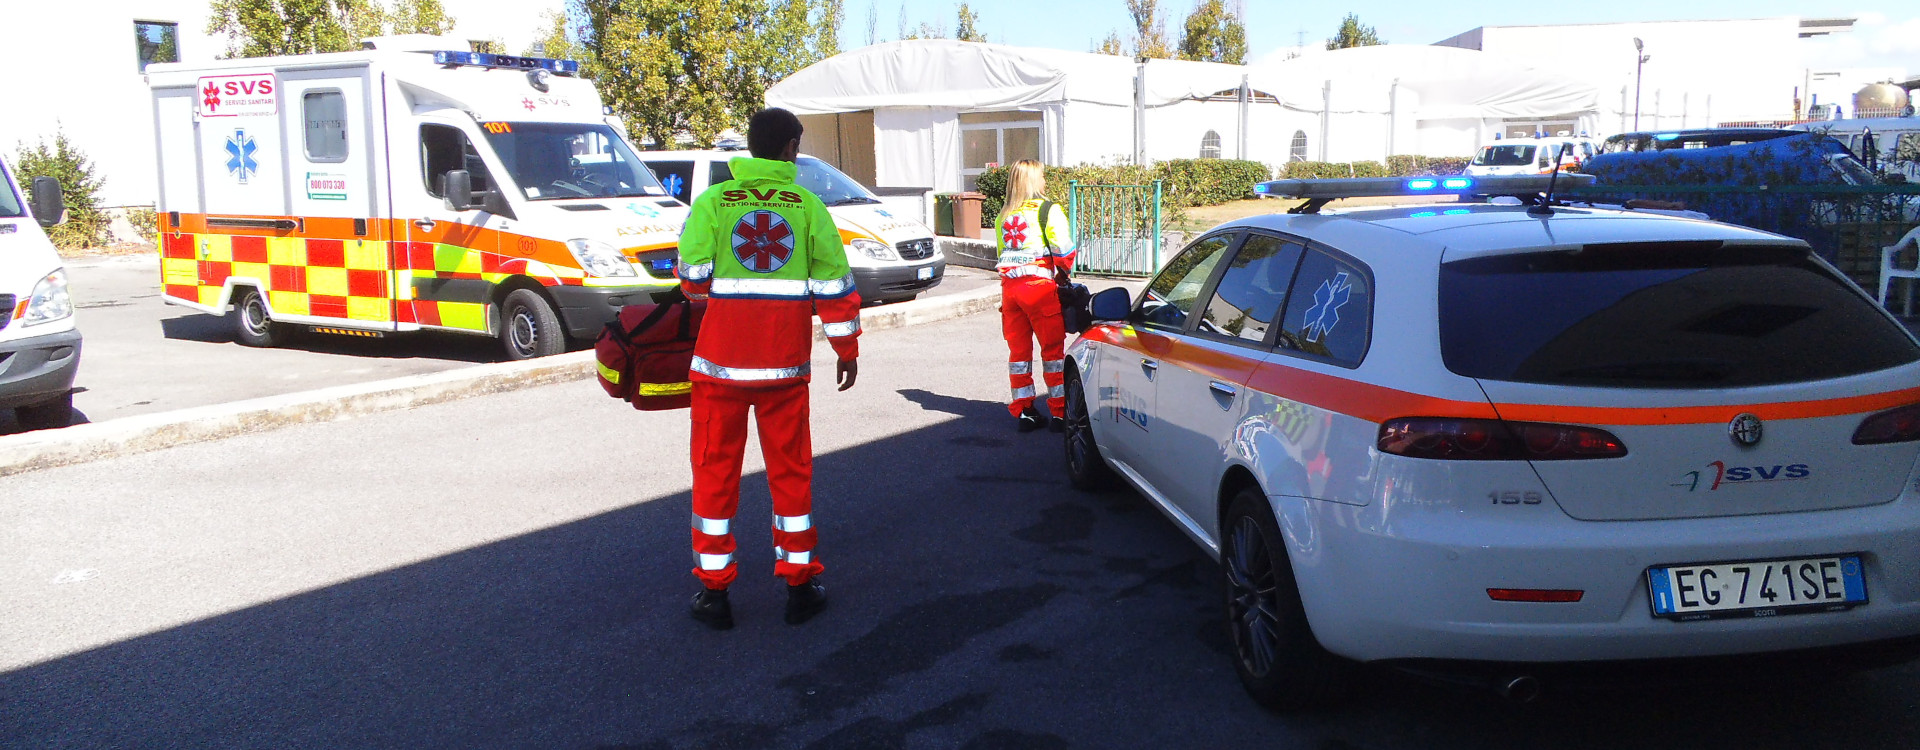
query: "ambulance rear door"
335, 166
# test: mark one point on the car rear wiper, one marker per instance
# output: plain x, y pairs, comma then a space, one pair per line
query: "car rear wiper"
852, 200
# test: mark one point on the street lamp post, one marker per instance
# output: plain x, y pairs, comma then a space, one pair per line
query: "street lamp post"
1639, 64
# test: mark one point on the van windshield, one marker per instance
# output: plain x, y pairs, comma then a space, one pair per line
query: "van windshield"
10, 207
558, 161
833, 187
1504, 156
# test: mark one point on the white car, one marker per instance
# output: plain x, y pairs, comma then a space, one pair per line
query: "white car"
1525, 156
1513, 438
39, 346
894, 257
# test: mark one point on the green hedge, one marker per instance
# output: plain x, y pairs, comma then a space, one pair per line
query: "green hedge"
1422, 166
1184, 182
1396, 166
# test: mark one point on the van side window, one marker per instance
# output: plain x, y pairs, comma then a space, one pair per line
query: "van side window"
325, 115
718, 172
1330, 310
443, 149
676, 177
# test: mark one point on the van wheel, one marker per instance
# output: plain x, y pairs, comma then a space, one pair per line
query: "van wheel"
529, 327
1280, 663
46, 415
252, 324
1086, 470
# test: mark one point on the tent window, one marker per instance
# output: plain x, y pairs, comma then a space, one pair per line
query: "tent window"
992, 139
1210, 145
1299, 151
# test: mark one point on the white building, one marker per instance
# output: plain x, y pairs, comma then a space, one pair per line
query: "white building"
82, 63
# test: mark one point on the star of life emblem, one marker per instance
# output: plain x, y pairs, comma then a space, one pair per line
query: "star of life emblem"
1015, 231
762, 241
1327, 301
240, 161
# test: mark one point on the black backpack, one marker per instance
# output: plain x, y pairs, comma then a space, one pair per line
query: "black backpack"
1075, 300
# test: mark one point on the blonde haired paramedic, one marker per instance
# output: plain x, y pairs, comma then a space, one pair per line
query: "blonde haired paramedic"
1036, 255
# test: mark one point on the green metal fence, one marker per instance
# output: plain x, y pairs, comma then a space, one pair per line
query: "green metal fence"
1846, 224
1116, 228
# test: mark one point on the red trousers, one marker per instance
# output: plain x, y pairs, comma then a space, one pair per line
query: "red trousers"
1029, 309
719, 442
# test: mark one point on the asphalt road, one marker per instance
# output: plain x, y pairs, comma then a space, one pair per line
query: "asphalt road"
512, 571
142, 355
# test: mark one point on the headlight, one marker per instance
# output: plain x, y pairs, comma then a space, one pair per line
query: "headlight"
874, 250
50, 301
599, 258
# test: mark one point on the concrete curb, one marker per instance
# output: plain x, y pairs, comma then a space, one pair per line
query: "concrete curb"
32, 451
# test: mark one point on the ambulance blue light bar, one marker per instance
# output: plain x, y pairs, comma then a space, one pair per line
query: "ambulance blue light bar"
516, 62
1531, 184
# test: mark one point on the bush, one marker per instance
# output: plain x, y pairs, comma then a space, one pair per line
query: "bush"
1310, 170
145, 222
1210, 182
86, 224
1424, 166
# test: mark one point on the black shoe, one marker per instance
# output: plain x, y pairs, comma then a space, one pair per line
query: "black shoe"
1057, 424
1032, 419
804, 601
711, 607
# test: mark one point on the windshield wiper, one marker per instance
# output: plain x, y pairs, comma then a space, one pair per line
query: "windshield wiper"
852, 200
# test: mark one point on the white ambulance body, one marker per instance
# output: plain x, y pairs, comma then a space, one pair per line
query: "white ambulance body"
411, 185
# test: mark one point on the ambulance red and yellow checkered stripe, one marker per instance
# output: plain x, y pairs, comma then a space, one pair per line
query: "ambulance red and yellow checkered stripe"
390, 274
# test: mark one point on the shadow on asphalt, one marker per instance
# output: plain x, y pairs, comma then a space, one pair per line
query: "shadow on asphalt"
213, 329
978, 603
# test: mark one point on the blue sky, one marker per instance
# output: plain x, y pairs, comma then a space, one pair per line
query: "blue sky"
1888, 35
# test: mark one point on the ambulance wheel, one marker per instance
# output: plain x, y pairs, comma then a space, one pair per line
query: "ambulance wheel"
46, 415
529, 327
252, 324
1279, 661
1086, 470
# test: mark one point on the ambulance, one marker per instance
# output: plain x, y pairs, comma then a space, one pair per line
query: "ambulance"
411, 185
39, 345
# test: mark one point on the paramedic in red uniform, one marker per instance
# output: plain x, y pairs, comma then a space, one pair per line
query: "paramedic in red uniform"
766, 255
1036, 255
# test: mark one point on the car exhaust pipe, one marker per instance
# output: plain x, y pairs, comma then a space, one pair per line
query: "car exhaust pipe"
1520, 689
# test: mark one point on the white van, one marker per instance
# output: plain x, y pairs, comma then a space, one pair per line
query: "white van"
410, 185
1529, 156
39, 345
893, 257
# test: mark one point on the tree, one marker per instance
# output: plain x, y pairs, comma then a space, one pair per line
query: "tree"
1354, 34
1111, 45
1214, 34
555, 43
1151, 41
420, 17
826, 32
967, 29
86, 224
873, 24
257, 28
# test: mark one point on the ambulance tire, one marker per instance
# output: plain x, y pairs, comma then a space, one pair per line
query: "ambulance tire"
1279, 661
252, 324
529, 327
46, 415
1086, 470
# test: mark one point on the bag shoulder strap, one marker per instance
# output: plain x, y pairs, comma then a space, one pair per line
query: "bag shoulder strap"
1046, 209
659, 312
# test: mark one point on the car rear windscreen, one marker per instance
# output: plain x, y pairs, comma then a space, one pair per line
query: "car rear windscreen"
1504, 156
1661, 315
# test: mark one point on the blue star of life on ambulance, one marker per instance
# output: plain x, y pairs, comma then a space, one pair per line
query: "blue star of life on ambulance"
673, 183
1327, 301
240, 161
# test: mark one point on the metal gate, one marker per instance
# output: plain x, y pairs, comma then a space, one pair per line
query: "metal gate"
1116, 228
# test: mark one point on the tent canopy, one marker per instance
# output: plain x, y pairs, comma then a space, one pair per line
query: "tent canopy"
945, 73
1449, 82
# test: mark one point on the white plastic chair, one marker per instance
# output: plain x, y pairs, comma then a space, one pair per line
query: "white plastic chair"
1888, 272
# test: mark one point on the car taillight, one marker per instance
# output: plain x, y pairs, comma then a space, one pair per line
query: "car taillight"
1891, 426
1495, 440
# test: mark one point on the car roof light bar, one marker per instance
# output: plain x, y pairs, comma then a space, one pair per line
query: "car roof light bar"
452, 58
1318, 192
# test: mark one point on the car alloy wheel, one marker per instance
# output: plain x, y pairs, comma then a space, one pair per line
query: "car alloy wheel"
1252, 609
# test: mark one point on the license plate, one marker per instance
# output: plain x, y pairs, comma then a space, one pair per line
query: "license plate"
1761, 588
926, 273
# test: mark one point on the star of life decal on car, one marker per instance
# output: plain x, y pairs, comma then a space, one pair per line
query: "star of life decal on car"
1327, 301
762, 241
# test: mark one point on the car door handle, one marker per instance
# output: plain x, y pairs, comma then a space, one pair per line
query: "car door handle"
1222, 388
425, 225
1150, 367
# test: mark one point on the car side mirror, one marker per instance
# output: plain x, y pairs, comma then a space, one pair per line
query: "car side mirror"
495, 202
459, 190
1111, 304
49, 201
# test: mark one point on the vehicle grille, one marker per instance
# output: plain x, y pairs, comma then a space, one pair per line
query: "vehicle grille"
6, 310
915, 249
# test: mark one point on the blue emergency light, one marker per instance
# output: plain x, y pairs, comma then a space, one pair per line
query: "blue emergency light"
1422, 184
516, 62
1318, 192
1456, 183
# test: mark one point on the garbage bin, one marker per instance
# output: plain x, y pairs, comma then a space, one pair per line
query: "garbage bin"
966, 215
943, 214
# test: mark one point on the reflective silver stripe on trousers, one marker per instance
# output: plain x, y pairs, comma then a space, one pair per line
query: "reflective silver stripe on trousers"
1058, 391
709, 369
793, 524
1054, 365
1019, 368
836, 330
831, 287
1023, 392
716, 562
696, 273
711, 526
797, 558
795, 288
